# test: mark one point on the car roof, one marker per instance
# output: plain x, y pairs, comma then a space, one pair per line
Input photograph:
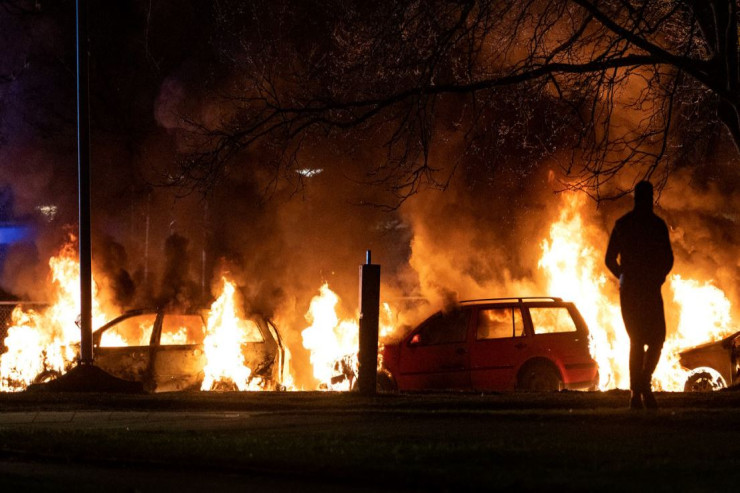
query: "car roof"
523, 299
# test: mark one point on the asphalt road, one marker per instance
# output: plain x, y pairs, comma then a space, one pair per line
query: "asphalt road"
310, 441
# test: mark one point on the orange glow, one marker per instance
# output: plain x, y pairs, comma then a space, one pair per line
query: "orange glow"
575, 271
571, 265
226, 331
333, 342
572, 261
704, 315
328, 338
48, 341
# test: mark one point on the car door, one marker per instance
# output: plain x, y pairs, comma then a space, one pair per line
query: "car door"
556, 334
123, 346
178, 358
500, 344
435, 355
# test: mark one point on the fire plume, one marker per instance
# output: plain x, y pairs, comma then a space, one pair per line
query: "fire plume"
572, 261
704, 314
40, 343
333, 342
226, 331
330, 340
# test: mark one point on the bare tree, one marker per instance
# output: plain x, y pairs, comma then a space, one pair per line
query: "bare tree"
628, 80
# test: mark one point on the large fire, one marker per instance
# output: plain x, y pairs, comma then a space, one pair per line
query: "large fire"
571, 261
226, 331
47, 343
333, 342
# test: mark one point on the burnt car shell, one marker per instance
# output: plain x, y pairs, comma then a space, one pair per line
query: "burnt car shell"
723, 356
168, 366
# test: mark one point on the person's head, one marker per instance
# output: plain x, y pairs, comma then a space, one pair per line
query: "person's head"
644, 196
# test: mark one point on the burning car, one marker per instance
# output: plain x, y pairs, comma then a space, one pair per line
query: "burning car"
713, 365
166, 352
536, 344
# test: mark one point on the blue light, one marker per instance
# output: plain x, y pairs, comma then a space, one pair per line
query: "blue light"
13, 233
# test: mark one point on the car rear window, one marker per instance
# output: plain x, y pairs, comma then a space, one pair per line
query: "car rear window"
499, 323
551, 320
443, 328
131, 331
182, 329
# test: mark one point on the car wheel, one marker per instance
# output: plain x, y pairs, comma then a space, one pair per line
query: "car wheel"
385, 382
704, 380
47, 376
539, 378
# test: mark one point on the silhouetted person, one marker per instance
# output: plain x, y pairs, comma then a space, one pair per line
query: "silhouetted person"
640, 255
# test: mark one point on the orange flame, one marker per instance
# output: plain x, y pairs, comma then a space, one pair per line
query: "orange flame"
226, 331
333, 342
575, 270
704, 315
46, 342
328, 338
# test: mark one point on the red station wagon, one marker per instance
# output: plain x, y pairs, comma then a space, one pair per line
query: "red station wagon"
497, 344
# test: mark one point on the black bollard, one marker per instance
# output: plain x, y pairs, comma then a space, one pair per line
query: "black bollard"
369, 312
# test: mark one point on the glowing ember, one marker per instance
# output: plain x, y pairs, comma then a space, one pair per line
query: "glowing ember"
47, 342
227, 330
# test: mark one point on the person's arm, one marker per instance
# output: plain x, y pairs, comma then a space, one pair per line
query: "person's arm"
612, 251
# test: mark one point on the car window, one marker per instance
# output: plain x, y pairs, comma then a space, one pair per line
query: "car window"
251, 332
499, 323
182, 329
131, 331
443, 328
551, 319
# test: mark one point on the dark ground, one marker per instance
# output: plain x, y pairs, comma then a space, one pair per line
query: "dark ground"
310, 441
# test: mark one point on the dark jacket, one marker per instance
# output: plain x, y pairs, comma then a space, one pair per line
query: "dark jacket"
640, 239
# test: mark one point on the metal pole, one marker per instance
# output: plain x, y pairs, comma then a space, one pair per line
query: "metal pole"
369, 314
146, 238
83, 172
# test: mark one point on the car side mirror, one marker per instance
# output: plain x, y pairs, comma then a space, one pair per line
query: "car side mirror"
415, 340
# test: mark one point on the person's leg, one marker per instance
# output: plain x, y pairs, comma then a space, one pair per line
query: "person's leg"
652, 356
637, 379
630, 302
654, 339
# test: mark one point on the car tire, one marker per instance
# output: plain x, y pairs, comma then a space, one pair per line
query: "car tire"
703, 381
539, 377
47, 376
385, 382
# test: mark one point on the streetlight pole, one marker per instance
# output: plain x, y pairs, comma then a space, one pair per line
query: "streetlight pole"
83, 192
